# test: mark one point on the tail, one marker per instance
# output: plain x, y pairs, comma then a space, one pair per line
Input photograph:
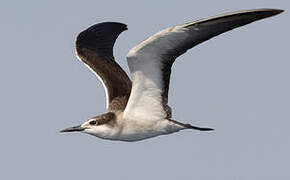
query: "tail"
189, 126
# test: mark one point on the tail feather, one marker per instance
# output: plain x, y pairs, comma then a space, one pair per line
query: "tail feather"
189, 126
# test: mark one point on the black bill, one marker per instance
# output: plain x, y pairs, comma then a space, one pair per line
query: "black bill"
72, 129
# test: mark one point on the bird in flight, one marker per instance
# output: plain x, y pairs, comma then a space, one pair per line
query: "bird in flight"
138, 109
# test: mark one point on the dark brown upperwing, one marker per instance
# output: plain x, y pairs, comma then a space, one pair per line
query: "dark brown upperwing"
94, 47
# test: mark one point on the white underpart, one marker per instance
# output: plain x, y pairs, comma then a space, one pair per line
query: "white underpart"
145, 63
106, 90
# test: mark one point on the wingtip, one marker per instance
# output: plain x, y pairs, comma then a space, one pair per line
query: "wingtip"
101, 36
275, 11
125, 27
122, 26
267, 12
278, 11
257, 14
112, 26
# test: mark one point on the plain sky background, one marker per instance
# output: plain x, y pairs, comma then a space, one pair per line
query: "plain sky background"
236, 83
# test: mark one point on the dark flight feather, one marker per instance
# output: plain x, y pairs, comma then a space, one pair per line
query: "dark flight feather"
94, 47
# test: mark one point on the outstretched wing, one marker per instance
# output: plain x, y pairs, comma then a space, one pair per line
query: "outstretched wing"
94, 47
150, 62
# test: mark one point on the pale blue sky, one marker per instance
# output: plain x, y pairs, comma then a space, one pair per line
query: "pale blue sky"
238, 85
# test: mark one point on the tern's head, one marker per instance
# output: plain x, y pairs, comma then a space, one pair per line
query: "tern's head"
101, 126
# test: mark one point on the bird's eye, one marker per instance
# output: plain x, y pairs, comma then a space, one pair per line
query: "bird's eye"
94, 122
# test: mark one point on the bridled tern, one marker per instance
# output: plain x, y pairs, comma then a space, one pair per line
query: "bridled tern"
139, 109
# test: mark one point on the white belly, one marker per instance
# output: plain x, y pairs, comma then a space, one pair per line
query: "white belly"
139, 130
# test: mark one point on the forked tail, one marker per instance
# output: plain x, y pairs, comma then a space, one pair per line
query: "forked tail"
189, 126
